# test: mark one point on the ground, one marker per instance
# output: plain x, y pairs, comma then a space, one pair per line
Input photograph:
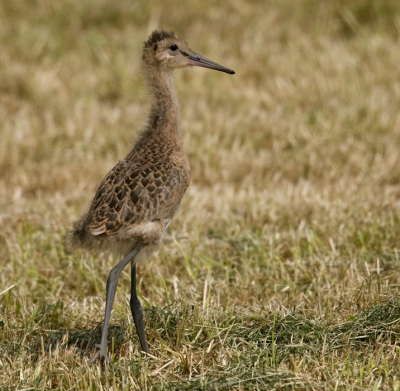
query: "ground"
280, 270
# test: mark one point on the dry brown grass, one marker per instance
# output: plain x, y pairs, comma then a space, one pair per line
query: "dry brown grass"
282, 266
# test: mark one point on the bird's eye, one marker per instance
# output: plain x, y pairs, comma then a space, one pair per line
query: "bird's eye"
174, 47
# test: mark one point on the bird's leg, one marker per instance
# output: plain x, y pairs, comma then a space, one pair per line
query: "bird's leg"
111, 288
137, 311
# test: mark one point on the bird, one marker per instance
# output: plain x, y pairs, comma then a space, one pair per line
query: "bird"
136, 201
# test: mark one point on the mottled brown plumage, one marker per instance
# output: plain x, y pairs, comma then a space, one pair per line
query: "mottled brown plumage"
138, 198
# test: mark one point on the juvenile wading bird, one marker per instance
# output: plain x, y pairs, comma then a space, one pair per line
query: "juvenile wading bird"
138, 198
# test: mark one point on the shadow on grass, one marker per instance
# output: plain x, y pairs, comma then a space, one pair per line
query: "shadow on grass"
84, 341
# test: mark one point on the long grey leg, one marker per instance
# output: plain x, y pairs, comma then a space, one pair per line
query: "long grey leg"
111, 288
137, 311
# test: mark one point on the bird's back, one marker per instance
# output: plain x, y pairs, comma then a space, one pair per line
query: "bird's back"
137, 199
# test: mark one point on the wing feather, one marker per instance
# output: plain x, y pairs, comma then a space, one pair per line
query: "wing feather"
129, 195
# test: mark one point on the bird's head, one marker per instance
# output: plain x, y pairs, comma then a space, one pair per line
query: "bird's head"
167, 50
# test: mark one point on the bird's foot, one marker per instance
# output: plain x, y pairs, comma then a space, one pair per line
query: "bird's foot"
102, 355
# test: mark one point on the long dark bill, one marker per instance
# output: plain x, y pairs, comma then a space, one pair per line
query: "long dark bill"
200, 61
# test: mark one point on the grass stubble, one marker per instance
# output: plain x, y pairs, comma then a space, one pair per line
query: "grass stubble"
281, 267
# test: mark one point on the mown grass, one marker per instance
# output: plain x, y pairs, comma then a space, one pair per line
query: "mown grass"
281, 268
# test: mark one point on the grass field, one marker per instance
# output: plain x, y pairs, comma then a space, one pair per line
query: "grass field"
281, 269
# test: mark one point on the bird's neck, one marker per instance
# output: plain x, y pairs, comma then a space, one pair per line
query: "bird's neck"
164, 112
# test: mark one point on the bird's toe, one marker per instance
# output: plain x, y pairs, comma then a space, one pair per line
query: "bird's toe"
101, 355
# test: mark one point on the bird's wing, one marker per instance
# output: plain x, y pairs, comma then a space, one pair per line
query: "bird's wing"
129, 196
